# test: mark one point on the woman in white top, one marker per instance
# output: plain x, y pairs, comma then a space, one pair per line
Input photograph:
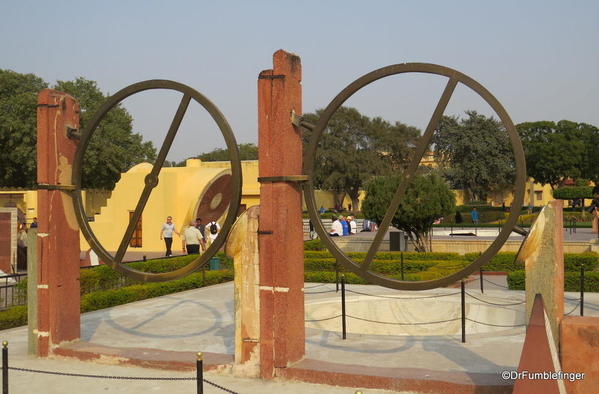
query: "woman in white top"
166, 232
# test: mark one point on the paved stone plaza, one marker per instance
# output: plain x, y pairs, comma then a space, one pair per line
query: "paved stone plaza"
202, 320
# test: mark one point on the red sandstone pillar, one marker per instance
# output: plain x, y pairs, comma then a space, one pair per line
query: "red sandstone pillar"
58, 232
282, 333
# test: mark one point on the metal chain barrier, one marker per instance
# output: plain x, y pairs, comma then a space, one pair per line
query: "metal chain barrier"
496, 325
573, 309
403, 298
495, 303
327, 318
496, 284
147, 378
320, 292
318, 285
404, 324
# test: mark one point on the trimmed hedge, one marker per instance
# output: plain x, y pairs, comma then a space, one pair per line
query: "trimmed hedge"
380, 266
312, 254
17, 315
107, 298
314, 244
504, 261
516, 281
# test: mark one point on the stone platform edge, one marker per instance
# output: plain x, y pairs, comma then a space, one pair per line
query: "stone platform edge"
142, 357
307, 370
399, 379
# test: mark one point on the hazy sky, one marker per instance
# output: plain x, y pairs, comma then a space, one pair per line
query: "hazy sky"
539, 58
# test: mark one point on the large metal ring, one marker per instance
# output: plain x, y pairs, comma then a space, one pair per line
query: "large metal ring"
454, 77
152, 179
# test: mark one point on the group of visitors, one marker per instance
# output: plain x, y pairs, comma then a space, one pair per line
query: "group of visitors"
195, 238
343, 226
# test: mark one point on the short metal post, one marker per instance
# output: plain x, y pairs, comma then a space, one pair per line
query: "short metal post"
463, 312
144, 258
401, 265
336, 277
343, 325
200, 372
482, 290
582, 290
4, 367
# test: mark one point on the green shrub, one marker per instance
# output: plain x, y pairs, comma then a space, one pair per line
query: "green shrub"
573, 261
329, 277
380, 266
516, 281
13, 317
17, 316
504, 261
314, 244
107, 298
388, 255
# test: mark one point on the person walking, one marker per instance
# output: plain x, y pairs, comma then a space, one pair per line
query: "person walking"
202, 229
166, 232
474, 216
213, 228
192, 239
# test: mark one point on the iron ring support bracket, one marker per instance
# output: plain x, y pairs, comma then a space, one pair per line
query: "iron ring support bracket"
62, 188
151, 180
283, 178
454, 77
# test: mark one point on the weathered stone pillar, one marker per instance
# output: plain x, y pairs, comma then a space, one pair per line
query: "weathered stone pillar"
242, 246
58, 232
282, 333
543, 256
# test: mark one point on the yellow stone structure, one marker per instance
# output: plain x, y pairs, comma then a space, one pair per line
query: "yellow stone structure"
178, 195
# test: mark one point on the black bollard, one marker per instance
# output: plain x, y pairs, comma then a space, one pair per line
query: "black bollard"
144, 258
582, 290
343, 325
5, 367
200, 372
463, 312
401, 265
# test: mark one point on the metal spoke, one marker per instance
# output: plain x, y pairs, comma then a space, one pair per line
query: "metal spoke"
411, 171
151, 180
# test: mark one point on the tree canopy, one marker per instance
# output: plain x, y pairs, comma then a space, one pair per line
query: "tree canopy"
555, 151
474, 154
246, 152
354, 148
113, 149
18, 135
427, 199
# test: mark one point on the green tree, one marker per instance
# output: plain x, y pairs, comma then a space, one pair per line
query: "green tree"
551, 152
113, 148
18, 134
354, 148
246, 152
474, 154
427, 199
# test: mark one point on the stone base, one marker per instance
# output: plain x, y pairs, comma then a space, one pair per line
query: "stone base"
399, 379
142, 357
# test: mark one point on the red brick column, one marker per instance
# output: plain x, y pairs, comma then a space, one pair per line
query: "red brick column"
58, 232
282, 333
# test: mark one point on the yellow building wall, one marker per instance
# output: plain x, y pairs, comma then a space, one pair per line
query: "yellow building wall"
177, 195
